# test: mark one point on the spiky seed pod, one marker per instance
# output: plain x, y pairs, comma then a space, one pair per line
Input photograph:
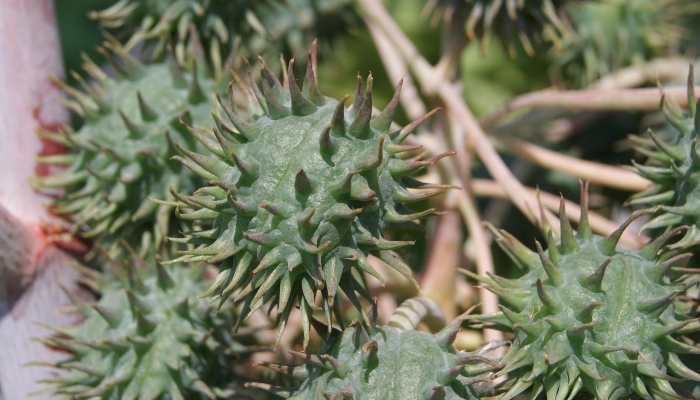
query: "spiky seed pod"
215, 26
673, 168
612, 34
120, 158
527, 22
301, 194
392, 362
148, 337
217, 22
294, 24
590, 316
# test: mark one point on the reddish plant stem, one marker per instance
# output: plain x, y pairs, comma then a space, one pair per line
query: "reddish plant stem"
31, 267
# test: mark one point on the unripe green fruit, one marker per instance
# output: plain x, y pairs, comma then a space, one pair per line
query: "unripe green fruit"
613, 34
300, 195
148, 337
590, 316
526, 22
219, 27
675, 171
120, 160
392, 362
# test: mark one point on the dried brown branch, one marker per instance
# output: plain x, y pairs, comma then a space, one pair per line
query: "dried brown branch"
438, 278
439, 274
601, 174
433, 84
661, 69
593, 99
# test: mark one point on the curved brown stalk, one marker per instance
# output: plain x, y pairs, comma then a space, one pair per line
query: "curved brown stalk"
433, 84
601, 174
593, 99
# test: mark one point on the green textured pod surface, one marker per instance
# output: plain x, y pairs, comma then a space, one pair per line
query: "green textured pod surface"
526, 23
120, 158
216, 22
148, 337
590, 316
261, 26
301, 194
674, 168
296, 23
390, 362
612, 34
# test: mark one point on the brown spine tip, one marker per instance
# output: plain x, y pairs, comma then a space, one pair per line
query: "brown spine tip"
310, 89
369, 351
301, 106
275, 109
359, 127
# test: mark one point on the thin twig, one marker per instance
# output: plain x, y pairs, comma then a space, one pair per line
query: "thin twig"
484, 259
594, 99
661, 69
599, 224
396, 69
438, 273
478, 238
601, 174
438, 279
658, 70
432, 84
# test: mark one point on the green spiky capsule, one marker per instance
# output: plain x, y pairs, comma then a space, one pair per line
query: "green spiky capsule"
217, 22
590, 316
120, 159
392, 362
613, 34
513, 21
673, 168
148, 337
301, 194
217, 26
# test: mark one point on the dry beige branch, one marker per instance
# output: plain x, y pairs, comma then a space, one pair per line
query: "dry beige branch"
433, 84
593, 99
438, 278
397, 69
657, 70
661, 69
601, 174
439, 275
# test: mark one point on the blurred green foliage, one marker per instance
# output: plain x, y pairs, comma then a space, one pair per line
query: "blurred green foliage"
78, 33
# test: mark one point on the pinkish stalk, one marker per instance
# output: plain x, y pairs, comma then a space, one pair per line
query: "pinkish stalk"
31, 267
